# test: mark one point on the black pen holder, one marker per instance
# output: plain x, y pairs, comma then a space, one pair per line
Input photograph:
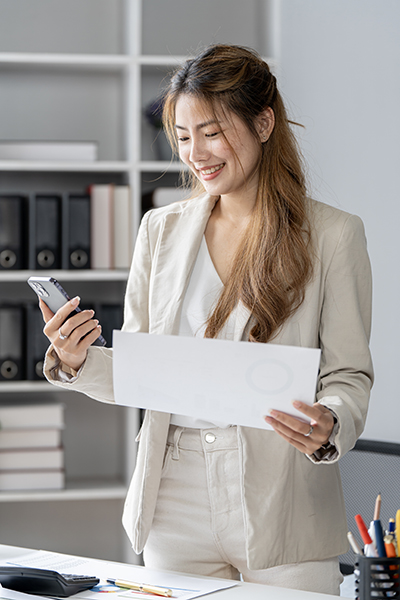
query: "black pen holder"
377, 578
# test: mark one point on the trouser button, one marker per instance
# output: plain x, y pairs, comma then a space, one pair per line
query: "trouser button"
210, 438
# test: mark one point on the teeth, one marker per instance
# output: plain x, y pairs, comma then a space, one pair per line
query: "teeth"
212, 170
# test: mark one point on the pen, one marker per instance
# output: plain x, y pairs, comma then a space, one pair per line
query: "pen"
141, 587
380, 546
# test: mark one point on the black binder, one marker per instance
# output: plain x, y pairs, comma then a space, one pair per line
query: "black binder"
110, 317
36, 343
11, 343
13, 226
76, 231
45, 232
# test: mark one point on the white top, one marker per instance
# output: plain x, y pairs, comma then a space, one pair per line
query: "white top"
200, 299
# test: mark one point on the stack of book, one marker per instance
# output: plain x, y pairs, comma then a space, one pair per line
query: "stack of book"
31, 452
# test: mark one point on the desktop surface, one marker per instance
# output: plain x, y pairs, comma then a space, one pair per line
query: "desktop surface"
241, 591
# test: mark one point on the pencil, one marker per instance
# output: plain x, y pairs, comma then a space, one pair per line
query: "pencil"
377, 510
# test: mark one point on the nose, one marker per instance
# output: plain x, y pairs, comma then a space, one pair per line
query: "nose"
199, 150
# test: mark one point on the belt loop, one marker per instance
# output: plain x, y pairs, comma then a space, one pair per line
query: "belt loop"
177, 436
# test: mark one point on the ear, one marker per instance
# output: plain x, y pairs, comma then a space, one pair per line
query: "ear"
265, 124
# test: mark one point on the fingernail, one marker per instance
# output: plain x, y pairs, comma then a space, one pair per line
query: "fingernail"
297, 404
75, 301
273, 413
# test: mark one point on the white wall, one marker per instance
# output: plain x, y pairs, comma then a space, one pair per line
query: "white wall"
340, 72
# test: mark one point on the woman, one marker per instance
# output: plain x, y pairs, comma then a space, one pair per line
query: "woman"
248, 257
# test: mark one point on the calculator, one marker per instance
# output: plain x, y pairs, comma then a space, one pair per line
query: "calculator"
44, 582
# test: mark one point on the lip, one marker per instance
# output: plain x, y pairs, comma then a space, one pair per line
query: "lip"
208, 176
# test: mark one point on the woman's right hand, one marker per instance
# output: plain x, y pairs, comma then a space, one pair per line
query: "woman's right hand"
71, 337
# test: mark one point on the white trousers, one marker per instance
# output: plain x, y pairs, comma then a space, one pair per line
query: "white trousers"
198, 525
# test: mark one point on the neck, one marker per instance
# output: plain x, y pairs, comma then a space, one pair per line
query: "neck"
235, 210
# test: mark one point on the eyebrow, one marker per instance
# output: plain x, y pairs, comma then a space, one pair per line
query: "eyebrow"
200, 126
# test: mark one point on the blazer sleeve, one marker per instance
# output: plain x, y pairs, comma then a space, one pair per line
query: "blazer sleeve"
95, 378
346, 372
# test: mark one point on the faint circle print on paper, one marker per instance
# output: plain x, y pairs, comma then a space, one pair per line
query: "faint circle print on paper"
269, 376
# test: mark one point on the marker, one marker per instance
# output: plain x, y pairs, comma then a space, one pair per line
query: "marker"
141, 587
389, 546
369, 547
391, 531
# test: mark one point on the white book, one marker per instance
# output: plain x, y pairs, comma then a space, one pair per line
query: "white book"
30, 416
36, 459
49, 151
29, 438
122, 227
31, 480
101, 225
162, 196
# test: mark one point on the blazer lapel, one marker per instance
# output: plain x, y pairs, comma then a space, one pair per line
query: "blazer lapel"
173, 262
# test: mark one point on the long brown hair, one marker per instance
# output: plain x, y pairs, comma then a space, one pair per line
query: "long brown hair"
273, 263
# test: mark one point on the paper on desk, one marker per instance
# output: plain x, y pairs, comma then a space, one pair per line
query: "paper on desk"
211, 379
183, 587
6, 594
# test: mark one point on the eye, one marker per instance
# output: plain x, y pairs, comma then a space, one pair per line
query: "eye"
210, 135
182, 139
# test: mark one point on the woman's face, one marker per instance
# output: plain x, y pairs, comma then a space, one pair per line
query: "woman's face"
223, 154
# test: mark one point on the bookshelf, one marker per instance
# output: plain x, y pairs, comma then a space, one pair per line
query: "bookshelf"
84, 71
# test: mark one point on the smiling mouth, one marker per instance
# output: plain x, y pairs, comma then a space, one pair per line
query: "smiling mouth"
212, 169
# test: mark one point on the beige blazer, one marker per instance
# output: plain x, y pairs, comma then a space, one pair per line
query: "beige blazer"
294, 508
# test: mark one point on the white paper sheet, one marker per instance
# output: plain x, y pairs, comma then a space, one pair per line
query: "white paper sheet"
183, 587
214, 380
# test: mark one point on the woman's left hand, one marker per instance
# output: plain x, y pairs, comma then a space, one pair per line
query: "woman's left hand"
306, 437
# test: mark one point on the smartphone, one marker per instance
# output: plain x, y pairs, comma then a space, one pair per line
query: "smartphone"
54, 295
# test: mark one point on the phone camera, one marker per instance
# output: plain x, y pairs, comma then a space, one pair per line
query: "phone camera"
39, 289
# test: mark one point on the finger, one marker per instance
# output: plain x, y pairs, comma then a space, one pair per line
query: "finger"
300, 426
66, 310
306, 445
46, 312
78, 333
81, 318
299, 444
92, 337
313, 412
54, 324
290, 432
78, 346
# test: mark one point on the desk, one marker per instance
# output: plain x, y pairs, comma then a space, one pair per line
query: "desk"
242, 591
